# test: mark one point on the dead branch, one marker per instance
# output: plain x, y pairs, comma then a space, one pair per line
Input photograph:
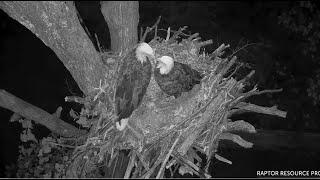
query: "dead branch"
150, 29
130, 165
38, 115
167, 157
247, 107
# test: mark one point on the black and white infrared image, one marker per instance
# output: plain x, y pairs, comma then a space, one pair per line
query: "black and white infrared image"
160, 89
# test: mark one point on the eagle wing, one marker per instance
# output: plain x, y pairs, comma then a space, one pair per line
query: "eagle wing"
132, 83
180, 79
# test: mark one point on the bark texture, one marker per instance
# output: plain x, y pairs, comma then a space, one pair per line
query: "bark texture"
40, 116
57, 25
122, 18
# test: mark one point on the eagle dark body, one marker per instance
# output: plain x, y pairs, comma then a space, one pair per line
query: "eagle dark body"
132, 83
180, 79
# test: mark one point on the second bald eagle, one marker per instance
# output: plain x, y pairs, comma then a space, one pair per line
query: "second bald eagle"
174, 77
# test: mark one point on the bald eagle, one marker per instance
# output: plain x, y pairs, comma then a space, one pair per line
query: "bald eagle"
174, 77
133, 80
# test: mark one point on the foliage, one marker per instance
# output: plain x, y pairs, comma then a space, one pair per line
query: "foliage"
40, 159
314, 88
303, 19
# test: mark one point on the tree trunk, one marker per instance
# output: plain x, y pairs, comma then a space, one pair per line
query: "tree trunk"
57, 25
122, 18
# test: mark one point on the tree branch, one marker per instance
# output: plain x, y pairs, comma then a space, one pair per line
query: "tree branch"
57, 25
40, 116
248, 107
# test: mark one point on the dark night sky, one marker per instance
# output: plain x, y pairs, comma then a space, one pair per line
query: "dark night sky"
32, 71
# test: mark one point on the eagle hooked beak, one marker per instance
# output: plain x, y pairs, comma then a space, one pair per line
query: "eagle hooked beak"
158, 63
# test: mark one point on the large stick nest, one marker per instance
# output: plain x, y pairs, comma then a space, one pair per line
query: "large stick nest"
163, 130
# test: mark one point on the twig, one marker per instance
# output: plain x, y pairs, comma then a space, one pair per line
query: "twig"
76, 99
130, 165
184, 121
192, 115
249, 44
177, 33
182, 161
155, 32
262, 92
150, 29
167, 157
159, 158
253, 92
264, 110
234, 71
62, 145
247, 77
193, 36
219, 51
168, 34
231, 62
144, 164
98, 42
29, 111
141, 33
182, 33
220, 158
205, 43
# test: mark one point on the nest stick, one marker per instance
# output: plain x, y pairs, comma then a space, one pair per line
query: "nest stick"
187, 35
98, 42
247, 77
167, 157
205, 43
249, 44
194, 115
76, 99
130, 165
263, 92
195, 35
181, 160
168, 34
177, 33
150, 29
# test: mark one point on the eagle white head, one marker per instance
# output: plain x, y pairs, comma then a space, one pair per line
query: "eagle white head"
165, 64
143, 51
